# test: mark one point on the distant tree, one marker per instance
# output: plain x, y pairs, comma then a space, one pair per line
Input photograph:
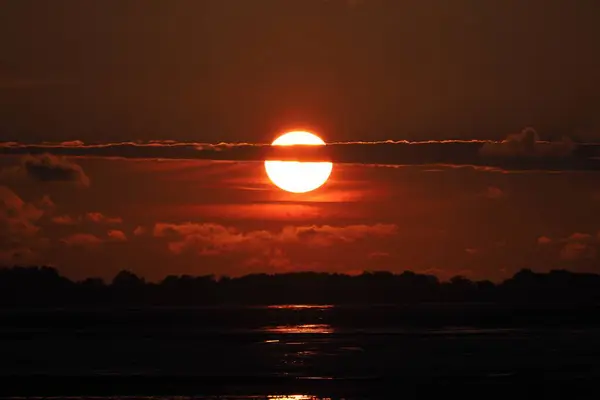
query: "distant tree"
460, 282
44, 286
93, 283
127, 280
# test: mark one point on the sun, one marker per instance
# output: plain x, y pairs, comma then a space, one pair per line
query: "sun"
298, 176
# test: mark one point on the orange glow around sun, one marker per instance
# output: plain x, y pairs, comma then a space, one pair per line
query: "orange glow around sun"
298, 176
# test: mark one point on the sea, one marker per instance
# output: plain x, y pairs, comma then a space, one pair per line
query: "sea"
289, 351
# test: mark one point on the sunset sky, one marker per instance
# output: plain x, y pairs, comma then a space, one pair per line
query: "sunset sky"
462, 134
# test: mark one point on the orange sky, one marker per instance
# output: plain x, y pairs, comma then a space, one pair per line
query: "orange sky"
425, 106
200, 217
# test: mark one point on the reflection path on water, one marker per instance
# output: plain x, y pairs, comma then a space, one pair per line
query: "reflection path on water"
305, 328
303, 349
300, 307
299, 341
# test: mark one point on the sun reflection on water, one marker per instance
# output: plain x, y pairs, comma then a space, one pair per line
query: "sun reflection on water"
306, 328
300, 306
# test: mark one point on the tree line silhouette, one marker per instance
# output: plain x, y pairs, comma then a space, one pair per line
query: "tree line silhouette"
45, 287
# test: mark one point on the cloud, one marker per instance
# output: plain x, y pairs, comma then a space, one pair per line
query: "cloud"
90, 241
271, 258
45, 203
64, 220
16, 216
139, 231
18, 227
52, 168
544, 240
82, 240
580, 237
208, 239
94, 217
72, 143
577, 251
578, 246
527, 144
213, 239
576, 237
117, 236
326, 235
523, 151
102, 219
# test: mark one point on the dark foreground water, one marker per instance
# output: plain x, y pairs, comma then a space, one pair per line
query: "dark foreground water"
262, 350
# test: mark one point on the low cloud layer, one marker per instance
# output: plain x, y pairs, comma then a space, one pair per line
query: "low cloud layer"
47, 167
82, 240
90, 241
102, 219
578, 246
520, 151
92, 217
527, 144
213, 239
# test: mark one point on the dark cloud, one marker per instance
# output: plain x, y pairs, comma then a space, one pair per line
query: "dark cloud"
527, 144
521, 151
52, 168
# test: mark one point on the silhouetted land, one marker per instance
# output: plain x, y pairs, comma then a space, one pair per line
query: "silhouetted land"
45, 287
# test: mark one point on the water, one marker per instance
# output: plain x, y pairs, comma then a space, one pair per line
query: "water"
320, 343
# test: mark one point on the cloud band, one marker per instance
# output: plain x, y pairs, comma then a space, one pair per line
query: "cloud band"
521, 151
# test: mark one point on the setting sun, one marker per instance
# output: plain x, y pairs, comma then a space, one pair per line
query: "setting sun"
298, 176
